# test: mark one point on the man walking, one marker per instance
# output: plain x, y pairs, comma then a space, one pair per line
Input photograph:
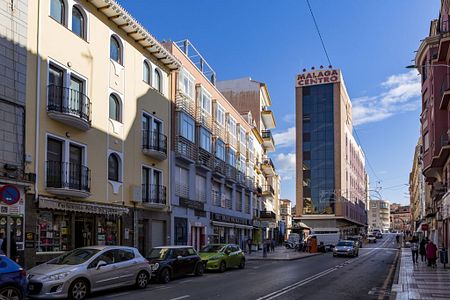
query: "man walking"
422, 250
415, 250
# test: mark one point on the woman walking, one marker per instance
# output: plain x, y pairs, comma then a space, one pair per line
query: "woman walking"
422, 250
431, 254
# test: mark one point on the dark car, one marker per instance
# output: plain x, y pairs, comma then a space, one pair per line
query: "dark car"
168, 262
13, 279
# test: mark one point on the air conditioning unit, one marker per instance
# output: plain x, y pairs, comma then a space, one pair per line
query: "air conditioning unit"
136, 193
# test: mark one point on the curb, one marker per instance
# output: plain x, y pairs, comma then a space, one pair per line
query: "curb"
394, 280
280, 259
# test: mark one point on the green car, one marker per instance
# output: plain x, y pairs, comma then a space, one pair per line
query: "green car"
222, 256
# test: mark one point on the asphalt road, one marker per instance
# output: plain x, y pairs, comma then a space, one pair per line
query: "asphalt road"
317, 277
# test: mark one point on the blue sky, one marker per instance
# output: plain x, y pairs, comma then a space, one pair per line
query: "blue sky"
271, 41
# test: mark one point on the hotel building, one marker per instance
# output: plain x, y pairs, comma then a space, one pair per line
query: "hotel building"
99, 118
331, 179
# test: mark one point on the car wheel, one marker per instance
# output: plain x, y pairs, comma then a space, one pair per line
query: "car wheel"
78, 290
164, 276
10, 292
142, 280
199, 269
242, 264
222, 267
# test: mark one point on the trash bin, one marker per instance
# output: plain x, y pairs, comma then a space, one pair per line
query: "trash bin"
443, 255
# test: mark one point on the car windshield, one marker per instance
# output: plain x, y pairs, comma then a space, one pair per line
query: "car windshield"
74, 257
347, 244
212, 248
158, 253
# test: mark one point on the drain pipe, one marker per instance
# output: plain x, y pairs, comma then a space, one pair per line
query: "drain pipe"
38, 92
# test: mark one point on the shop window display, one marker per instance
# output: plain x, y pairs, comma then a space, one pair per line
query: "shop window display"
53, 234
16, 227
106, 232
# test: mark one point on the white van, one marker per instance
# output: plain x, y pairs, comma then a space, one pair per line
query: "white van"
328, 236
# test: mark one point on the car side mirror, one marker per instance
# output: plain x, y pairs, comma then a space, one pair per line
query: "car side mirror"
179, 257
100, 264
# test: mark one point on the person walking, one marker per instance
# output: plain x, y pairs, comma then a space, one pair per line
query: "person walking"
422, 250
249, 245
431, 254
272, 245
415, 250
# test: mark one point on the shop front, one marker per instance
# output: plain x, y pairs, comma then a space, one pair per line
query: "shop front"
230, 230
63, 225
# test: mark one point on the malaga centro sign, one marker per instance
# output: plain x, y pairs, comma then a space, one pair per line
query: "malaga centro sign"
318, 77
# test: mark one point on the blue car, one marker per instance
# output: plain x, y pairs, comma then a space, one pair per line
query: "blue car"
13, 280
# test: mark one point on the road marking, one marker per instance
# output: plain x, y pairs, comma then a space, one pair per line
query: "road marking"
118, 295
300, 283
184, 281
181, 297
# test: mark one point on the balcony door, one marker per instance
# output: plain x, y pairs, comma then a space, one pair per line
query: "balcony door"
54, 163
76, 99
157, 184
56, 87
75, 166
152, 130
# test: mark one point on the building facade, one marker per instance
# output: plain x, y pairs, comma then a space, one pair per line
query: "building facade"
14, 181
432, 61
379, 215
330, 172
251, 98
417, 190
400, 218
99, 113
286, 216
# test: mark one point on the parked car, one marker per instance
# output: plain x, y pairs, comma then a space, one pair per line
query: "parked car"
13, 279
168, 262
346, 248
222, 256
371, 238
84, 270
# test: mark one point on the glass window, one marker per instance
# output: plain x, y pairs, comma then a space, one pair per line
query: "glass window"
182, 182
232, 157
113, 167
115, 51
124, 255
114, 108
206, 101
220, 115
187, 128
146, 72
200, 188
53, 232
78, 22
426, 141
205, 139
108, 257
232, 126
57, 10
157, 80
187, 84
220, 149
243, 137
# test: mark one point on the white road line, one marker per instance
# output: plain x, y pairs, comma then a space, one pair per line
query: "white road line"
184, 281
181, 297
117, 295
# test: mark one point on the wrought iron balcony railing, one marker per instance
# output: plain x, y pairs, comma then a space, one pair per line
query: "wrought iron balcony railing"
154, 194
65, 175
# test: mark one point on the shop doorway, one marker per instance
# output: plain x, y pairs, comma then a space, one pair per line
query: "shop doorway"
83, 232
158, 233
197, 237
142, 236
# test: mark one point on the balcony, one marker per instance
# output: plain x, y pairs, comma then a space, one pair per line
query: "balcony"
69, 106
268, 167
184, 103
67, 179
154, 144
232, 140
219, 131
249, 182
204, 159
268, 118
444, 41
267, 190
219, 167
230, 173
264, 214
204, 119
185, 149
445, 92
154, 196
439, 160
240, 178
268, 141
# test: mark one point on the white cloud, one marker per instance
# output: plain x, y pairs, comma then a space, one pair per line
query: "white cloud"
289, 118
285, 138
285, 165
400, 94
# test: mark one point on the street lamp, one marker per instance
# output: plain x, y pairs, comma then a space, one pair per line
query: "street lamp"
419, 66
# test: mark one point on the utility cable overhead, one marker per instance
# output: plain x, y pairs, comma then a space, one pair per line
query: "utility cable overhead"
318, 32
367, 158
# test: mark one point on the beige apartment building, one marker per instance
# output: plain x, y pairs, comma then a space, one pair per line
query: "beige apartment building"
99, 110
286, 216
379, 215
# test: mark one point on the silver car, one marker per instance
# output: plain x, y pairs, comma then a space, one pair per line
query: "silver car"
346, 248
81, 271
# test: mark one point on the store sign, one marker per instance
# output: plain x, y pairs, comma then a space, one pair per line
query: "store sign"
229, 219
424, 227
192, 204
90, 208
318, 77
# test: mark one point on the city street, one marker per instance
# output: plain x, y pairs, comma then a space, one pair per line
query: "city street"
318, 277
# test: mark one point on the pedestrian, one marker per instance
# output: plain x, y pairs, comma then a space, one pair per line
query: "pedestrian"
422, 250
415, 250
431, 254
249, 244
10, 242
272, 245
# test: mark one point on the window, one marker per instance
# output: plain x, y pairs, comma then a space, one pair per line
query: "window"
182, 182
115, 50
157, 80
424, 70
187, 84
78, 23
232, 126
205, 101
220, 115
243, 137
426, 141
220, 149
113, 167
152, 189
205, 139
187, 128
58, 11
200, 188
146, 72
231, 157
53, 232
114, 108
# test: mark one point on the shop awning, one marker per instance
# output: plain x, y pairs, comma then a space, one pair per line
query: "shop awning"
231, 225
90, 208
300, 225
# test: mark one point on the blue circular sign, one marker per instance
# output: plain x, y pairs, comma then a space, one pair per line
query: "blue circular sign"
9, 194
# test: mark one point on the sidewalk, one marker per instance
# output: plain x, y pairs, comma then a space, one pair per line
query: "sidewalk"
420, 281
280, 254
